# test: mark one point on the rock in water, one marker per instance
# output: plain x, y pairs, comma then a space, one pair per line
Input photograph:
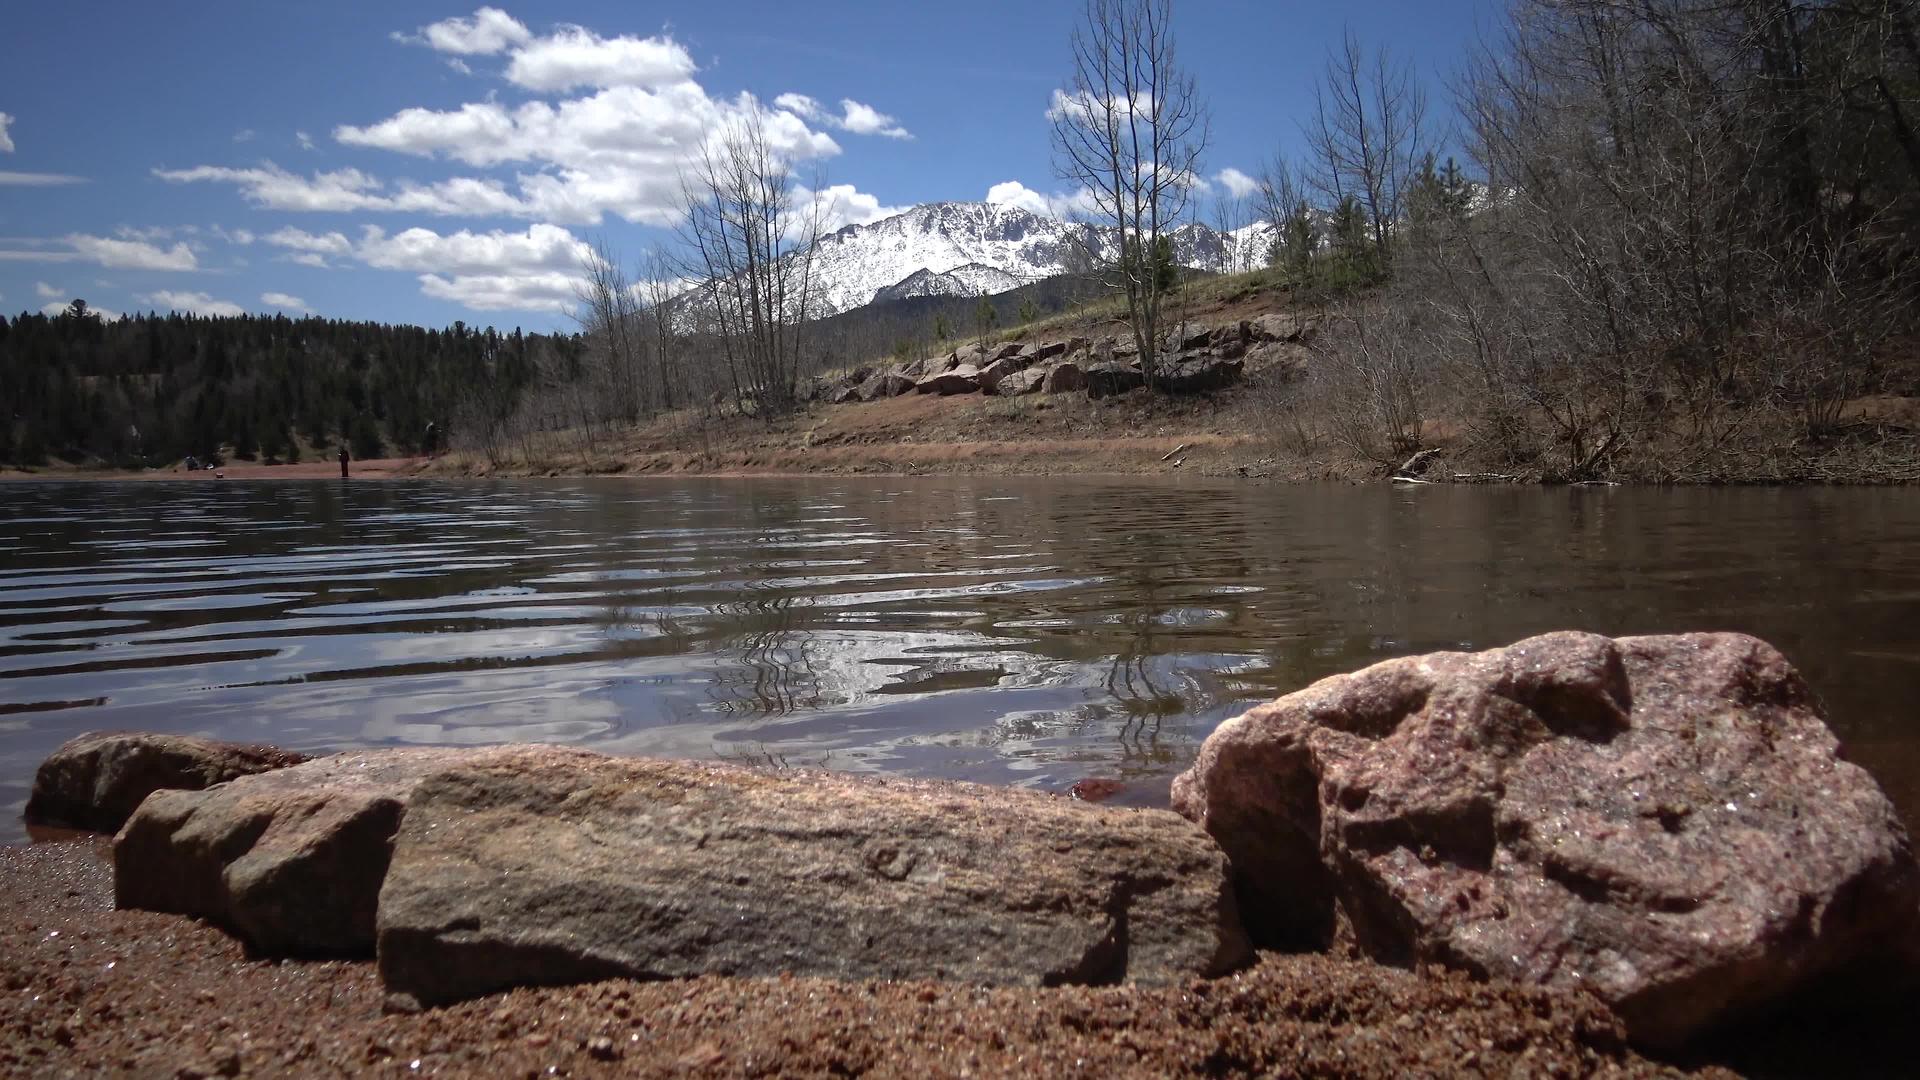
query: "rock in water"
549, 865
1662, 821
96, 780
290, 860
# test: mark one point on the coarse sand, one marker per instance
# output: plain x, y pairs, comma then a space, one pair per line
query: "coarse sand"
90, 991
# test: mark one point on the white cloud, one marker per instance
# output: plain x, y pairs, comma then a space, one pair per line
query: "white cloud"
540, 248
854, 117
841, 205
48, 292
459, 65
195, 303
333, 243
1238, 183
488, 32
866, 120
305, 140
555, 292
6, 140
275, 188
242, 237
244, 135
132, 254
280, 301
36, 179
535, 270
575, 56
1060, 205
620, 150
59, 307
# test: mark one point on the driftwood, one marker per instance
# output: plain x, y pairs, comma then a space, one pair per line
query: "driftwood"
1175, 450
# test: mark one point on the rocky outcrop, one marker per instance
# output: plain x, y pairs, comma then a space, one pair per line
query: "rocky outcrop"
1198, 375
1020, 383
1662, 821
1107, 378
885, 385
290, 860
548, 865
963, 379
96, 780
1066, 377
1274, 327
991, 375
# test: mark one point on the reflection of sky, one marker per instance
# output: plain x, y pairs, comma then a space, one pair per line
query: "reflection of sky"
1004, 630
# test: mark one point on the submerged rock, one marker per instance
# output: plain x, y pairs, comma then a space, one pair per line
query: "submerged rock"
1662, 821
548, 865
290, 860
96, 780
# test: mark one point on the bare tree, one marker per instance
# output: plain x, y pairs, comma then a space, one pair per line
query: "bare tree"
1367, 135
1130, 129
751, 248
607, 319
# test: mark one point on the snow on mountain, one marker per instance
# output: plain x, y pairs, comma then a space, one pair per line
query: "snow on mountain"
954, 248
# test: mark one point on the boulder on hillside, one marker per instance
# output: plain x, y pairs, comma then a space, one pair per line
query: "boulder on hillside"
1198, 374
1274, 326
95, 781
1019, 383
1066, 377
964, 379
968, 355
550, 865
1662, 821
290, 860
918, 368
1006, 351
885, 385
1048, 350
991, 375
846, 395
1189, 336
1110, 377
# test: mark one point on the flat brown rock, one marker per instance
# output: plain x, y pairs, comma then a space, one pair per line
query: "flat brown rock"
543, 865
96, 780
290, 860
1662, 821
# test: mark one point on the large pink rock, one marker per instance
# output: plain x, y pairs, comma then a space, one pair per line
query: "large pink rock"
1663, 821
96, 780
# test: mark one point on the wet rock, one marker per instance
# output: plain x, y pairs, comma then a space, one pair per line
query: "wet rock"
96, 780
1199, 374
964, 379
885, 385
1662, 821
1066, 377
1110, 377
550, 865
290, 860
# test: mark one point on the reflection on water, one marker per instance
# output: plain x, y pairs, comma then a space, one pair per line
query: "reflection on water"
1030, 631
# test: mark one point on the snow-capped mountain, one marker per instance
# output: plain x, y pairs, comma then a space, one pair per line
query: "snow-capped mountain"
970, 249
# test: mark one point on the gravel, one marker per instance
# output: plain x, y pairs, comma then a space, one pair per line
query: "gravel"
89, 991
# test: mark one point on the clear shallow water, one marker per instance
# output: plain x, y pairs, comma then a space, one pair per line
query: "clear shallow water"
1014, 631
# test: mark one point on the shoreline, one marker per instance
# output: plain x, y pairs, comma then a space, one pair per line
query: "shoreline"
109, 992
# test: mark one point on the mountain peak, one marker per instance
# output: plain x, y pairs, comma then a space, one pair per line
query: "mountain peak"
969, 248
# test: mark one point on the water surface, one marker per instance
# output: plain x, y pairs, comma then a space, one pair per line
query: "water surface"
1012, 631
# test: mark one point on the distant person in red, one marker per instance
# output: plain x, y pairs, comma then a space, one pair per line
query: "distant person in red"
344, 458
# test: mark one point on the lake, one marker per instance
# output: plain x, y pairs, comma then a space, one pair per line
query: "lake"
1011, 631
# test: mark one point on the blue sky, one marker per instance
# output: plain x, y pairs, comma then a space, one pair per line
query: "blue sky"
427, 162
